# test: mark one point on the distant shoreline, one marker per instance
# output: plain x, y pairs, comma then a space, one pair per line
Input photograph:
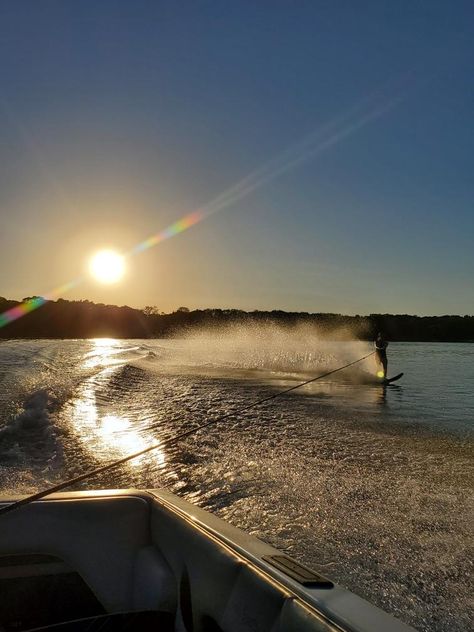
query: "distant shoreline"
64, 319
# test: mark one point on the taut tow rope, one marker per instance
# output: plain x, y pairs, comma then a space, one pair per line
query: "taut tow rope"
162, 444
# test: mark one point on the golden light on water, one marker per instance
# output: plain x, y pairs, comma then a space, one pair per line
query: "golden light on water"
107, 266
120, 435
109, 435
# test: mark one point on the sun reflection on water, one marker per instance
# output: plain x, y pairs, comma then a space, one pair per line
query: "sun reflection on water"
105, 352
119, 433
107, 433
110, 436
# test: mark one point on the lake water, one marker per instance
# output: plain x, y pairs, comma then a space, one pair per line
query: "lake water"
370, 485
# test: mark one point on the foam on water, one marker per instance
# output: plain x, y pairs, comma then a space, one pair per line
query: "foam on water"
371, 485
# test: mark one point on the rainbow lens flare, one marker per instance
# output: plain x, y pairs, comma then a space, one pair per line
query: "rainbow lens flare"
33, 303
173, 229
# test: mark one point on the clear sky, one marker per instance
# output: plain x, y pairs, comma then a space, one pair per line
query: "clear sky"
119, 117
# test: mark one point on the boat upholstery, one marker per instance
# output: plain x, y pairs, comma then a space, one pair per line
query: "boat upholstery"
145, 621
100, 538
216, 586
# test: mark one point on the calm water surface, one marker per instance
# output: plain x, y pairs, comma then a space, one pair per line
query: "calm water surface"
370, 485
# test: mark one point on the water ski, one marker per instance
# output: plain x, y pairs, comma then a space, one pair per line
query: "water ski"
389, 380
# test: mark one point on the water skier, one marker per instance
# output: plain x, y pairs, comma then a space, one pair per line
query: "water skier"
381, 353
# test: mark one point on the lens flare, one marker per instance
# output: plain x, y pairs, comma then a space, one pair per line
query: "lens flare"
173, 229
30, 304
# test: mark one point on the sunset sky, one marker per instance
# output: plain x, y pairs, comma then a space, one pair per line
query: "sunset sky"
324, 147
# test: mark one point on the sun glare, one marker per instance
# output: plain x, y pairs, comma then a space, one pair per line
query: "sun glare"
107, 266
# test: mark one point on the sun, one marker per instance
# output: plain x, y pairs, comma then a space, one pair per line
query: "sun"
107, 266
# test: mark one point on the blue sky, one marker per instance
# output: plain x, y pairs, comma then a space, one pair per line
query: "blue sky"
117, 118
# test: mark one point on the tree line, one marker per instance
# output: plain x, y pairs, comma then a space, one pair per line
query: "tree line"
85, 319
